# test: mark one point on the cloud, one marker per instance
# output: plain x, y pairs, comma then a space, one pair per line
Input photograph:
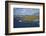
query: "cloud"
25, 11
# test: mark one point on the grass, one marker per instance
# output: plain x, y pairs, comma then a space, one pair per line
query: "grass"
30, 18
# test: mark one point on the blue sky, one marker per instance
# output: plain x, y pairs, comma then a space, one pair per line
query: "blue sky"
25, 11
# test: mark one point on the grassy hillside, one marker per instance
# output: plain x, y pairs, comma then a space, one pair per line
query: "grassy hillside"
30, 18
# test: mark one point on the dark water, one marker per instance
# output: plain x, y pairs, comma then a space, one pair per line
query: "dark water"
22, 24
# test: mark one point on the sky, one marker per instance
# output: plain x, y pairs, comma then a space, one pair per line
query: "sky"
26, 11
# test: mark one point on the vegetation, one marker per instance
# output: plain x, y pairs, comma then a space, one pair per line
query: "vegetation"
30, 18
